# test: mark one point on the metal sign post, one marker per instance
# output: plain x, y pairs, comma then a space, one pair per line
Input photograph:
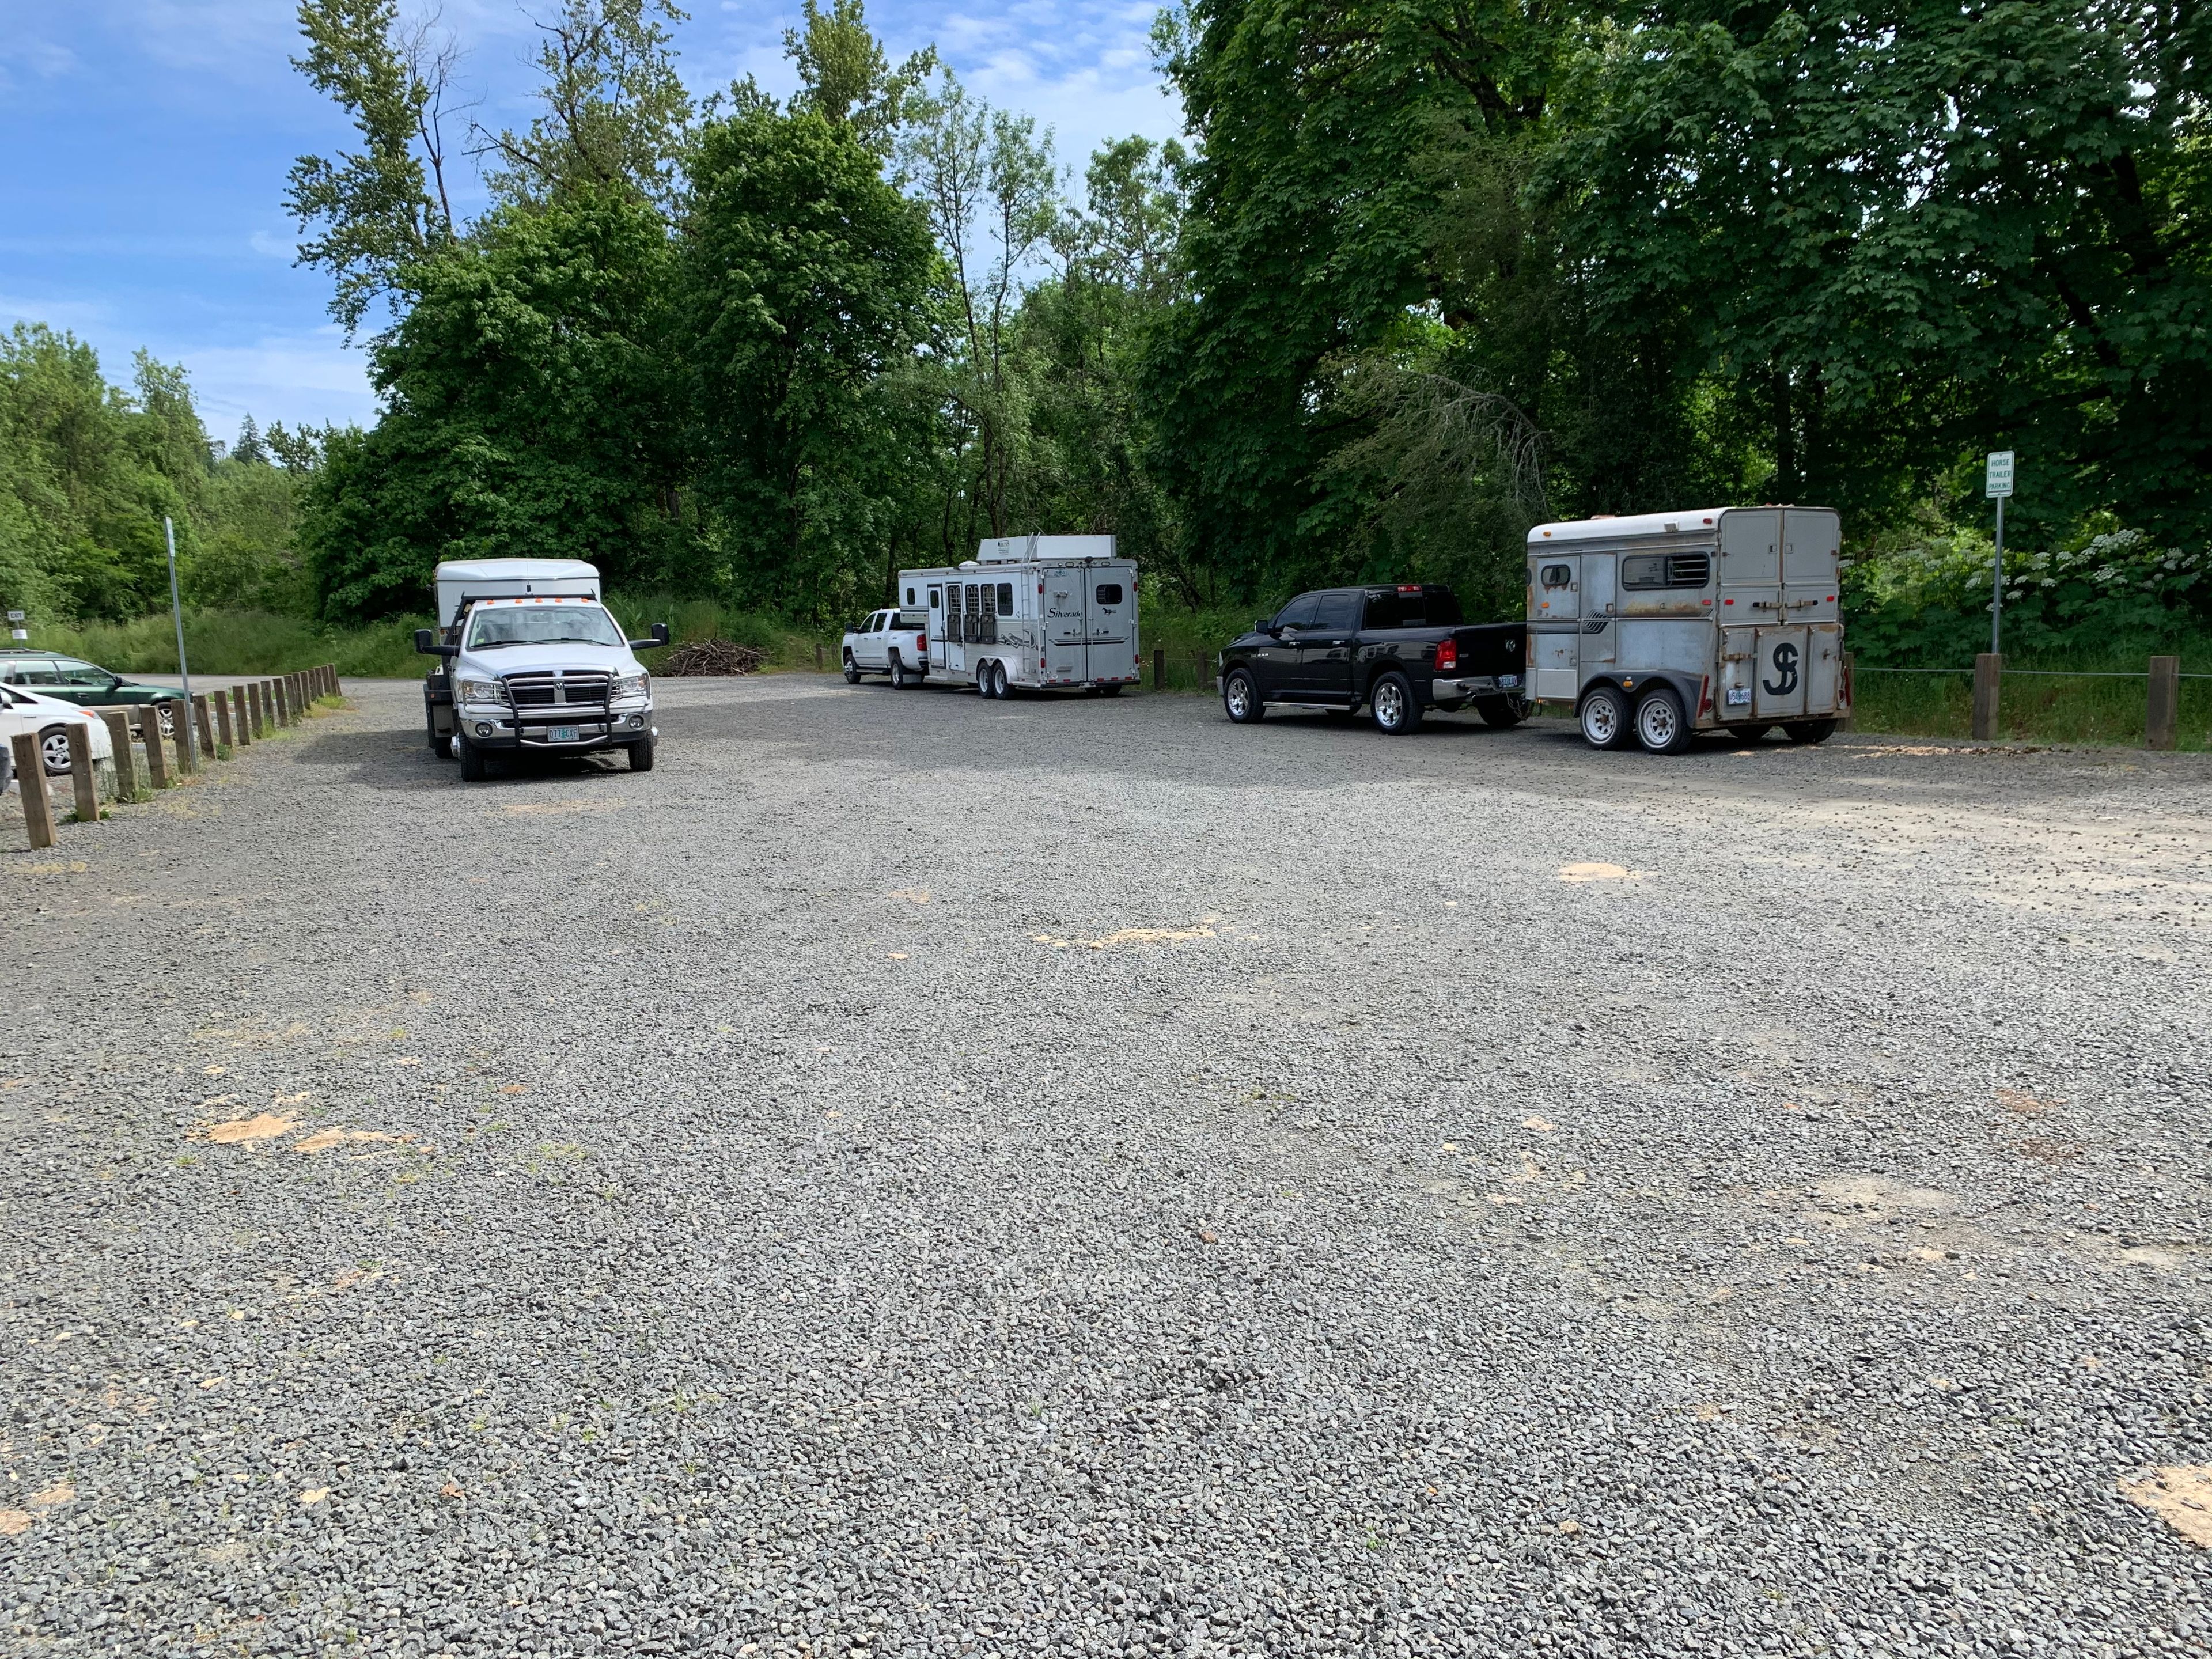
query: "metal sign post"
184, 668
1996, 485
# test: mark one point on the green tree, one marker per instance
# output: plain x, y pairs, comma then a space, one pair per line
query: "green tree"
806, 282
844, 76
384, 209
528, 412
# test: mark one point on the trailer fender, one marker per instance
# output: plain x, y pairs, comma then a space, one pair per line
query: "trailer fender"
1632, 684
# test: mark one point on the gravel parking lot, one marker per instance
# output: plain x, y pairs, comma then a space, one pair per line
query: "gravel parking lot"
914, 1175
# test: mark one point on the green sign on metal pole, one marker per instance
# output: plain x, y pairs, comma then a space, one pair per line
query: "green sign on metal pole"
1996, 485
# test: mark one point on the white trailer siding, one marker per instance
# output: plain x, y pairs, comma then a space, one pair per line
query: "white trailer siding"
1735, 607
1050, 622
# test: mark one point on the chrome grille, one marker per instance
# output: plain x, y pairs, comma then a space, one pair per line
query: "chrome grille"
546, 690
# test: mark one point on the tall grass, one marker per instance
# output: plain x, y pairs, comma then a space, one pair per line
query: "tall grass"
2031, 708
239, 642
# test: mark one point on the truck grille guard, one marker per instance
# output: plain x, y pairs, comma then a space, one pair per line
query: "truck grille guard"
542, 699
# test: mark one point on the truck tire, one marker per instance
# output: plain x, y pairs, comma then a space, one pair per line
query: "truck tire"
1808, 731
1661, 725
472, 759
1240, 698
899, 679
998, 687
1604, 717
851, 670
1503, 712
641, 756
1396, 710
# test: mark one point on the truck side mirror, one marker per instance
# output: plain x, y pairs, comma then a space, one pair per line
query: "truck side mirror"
426, 641
1263, 625
659, 632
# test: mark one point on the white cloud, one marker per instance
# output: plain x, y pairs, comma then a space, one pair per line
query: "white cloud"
298, 378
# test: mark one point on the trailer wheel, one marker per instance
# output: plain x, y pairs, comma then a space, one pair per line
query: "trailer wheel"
1504, 712
1240, 698
1604, 716
1661, 725
1808, 731
473, 767
899, 678
1396, 709
641, 756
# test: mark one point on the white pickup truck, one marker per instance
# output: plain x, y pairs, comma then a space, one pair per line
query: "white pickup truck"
893, 642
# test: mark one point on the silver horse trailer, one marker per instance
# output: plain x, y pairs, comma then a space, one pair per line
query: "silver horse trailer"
1659, 627
1030, 612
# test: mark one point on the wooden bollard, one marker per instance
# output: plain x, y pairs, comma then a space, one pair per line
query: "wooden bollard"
119, 735
279, 702
222, 705
204, 721
298, 684
1988, 678
252, 693
1850, 722
2162, 715
1159, 668
84, 780
31, 784
1198, 668
149, 734
817, 656
181, 733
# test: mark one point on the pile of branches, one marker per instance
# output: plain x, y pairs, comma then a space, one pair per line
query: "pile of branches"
704, 657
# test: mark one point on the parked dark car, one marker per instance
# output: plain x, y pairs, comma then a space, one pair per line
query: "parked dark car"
1396, 651
69, 679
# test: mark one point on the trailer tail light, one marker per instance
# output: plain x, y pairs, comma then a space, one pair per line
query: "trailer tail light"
1705, 696
1447, 656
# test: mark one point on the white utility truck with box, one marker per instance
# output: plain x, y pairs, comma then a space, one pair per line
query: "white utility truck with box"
532, 661
1662, 626
1035, 613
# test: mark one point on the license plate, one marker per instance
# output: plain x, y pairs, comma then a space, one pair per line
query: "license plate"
564, 734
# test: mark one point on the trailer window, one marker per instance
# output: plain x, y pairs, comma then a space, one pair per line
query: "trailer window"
1556, 575
1005, 599
909, 596
936, 598
1650, 570
1109, 593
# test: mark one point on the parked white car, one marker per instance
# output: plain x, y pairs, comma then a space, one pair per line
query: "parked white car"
49, 718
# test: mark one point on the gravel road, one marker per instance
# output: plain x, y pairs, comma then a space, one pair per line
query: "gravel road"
916, 1175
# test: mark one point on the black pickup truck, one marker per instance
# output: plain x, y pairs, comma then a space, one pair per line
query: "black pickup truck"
1398, 651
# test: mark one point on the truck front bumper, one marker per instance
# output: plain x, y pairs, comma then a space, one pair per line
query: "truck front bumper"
548, 730
1450, 692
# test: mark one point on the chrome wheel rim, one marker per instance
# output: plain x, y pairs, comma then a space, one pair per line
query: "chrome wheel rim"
1239, 693
1390, 707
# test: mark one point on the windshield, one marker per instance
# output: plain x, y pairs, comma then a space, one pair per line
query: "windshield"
551, 624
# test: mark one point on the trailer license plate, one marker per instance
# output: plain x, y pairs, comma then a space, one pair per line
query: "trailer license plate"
564, 734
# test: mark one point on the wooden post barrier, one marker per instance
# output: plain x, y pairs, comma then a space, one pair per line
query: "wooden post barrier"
181, 733
84, 779
1988, 678
1850, 722
2162, 716
149, 734
1159, 668
127, 769
252, 694
221, 704
1198, 669
203, 720
299, 697
817, 656
279, 702
31, 784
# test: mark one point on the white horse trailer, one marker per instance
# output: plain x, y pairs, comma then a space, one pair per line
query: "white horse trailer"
1666, 624
1030, 612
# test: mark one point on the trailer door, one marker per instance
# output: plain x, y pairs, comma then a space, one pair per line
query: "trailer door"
1554, 621
1778, 684
1067, 623
1811, 542
1600, 634
1749, 578
1113, 607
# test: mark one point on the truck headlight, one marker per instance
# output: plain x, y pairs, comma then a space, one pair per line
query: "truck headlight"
631, 685
481, 691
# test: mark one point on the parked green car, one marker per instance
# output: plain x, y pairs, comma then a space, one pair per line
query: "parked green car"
67, 679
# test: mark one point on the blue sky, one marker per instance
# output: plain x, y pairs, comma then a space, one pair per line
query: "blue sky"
143, 145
